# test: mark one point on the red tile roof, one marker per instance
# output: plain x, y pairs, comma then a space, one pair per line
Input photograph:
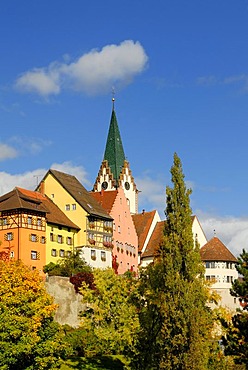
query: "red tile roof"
105, 198
215, 250
36, 202
16, 200
155, 240
142, 222
79, 193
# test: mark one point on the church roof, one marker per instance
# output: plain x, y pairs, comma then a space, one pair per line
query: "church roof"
105, 198
142, 222
215, 250
80, 194
114, 152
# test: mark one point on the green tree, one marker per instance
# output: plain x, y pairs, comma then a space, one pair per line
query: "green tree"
174, 317
111, 320
67, 266
236, 338
29, 338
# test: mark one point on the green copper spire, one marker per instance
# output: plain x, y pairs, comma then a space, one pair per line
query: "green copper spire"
114, 152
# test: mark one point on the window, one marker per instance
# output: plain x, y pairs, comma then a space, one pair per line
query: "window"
73, 207
68, 253
67, 207
34, 255
12, 254
93, 254
9, 236
92, 238
29, 220
43, 240
103, 256
33, 238
52, 195
5, 221
61, 253
228, 279
119, 229
235, 300
60, 239
69, 240
54, 252
207, 265
51, 237
39, 222
208, 278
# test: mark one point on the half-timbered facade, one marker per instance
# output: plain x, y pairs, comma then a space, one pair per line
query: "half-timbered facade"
94, 238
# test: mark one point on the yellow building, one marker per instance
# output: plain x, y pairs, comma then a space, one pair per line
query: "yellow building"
33, 229
96, 225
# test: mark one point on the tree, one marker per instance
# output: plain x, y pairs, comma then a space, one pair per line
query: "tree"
236, 337
29, 338
110, 320
174, 317
67, 266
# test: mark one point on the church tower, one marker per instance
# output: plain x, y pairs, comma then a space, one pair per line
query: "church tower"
115, 171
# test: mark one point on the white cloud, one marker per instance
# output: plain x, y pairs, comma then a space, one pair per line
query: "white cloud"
29, 180
41, 81
92, 73
78, 171
152, 195
232, 231
29, 145
7, 152
230, 80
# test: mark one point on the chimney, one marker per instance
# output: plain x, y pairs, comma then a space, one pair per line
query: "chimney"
41, 188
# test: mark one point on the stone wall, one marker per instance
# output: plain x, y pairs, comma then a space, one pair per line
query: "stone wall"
68, 300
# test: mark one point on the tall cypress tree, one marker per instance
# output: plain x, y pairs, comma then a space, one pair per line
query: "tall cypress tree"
174, 316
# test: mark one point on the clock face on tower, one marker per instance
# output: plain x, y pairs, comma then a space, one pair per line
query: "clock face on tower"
104, 185
127, 185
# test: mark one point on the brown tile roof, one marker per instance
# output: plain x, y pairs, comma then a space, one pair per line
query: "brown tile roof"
155, 240
105, 198
33, 201
142, 222
80, 194
16, 200
215, 250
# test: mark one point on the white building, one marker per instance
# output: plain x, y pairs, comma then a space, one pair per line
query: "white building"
220, 270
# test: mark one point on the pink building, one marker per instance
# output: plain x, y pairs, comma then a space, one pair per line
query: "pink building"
125, 239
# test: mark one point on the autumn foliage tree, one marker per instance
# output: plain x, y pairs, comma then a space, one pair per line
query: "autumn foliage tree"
110, 319
29, 338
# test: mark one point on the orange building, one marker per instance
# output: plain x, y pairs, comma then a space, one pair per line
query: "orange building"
26, 219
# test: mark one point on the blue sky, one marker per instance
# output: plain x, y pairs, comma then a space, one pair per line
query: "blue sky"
180, 73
